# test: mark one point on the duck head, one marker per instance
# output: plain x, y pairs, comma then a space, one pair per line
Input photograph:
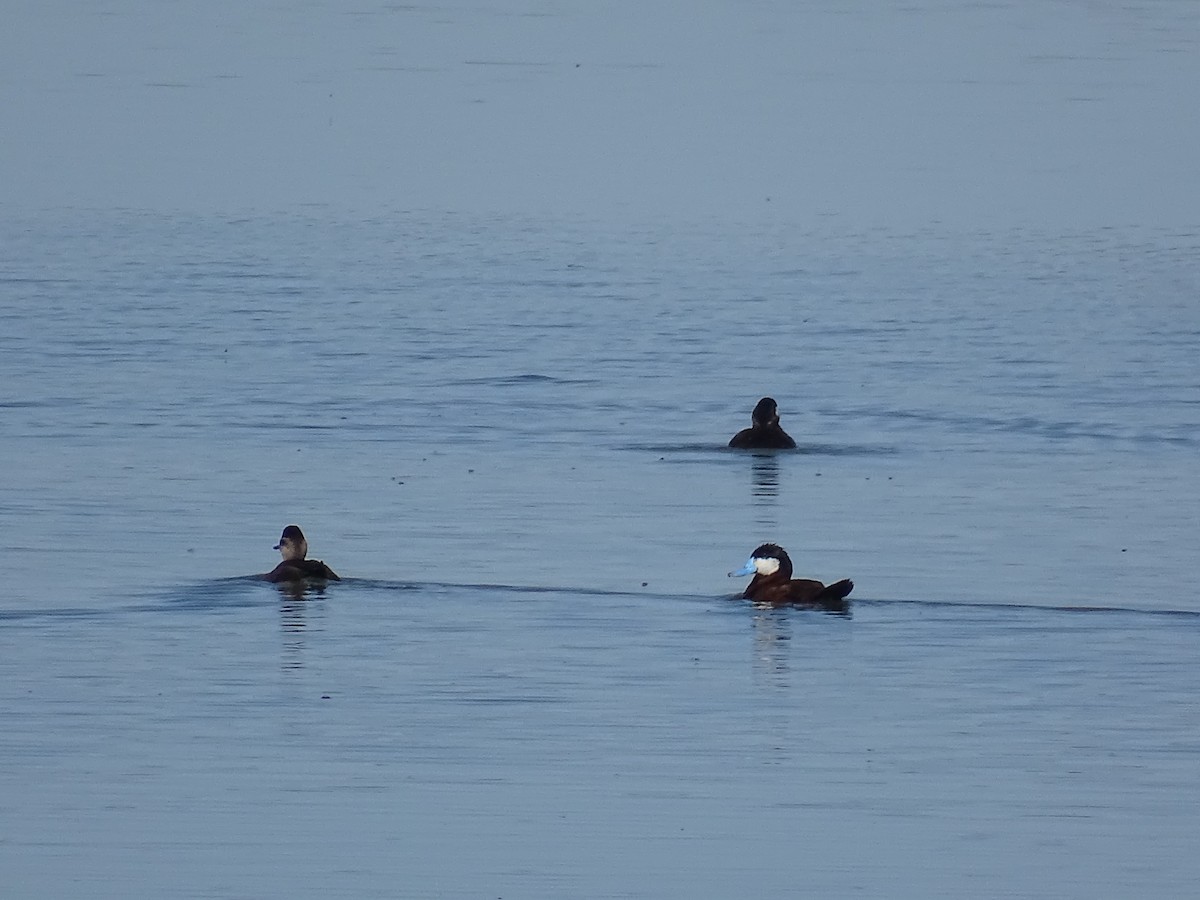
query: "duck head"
766, 561
766, 413
292, 545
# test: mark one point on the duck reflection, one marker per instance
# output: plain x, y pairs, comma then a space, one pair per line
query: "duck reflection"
777, 660
764, 474
296, 591
764, 489
772, 640
295, 598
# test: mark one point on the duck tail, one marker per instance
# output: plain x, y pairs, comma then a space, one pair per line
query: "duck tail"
839, 590
833, 598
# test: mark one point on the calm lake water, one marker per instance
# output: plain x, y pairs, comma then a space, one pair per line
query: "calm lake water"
508, 437
504, 424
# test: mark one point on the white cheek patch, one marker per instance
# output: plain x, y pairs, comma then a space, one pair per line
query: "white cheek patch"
290, 549
766, 566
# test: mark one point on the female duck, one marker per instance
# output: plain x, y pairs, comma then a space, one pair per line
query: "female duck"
773, 583
294, 548
764, 432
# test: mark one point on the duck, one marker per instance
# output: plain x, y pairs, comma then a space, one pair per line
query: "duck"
294, 548
764, 433
773, 583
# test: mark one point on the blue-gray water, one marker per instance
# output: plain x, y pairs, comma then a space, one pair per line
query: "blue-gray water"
498, 431
503, 422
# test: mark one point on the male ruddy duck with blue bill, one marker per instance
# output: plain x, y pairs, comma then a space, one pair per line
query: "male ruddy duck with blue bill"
294, 548
764, 432
773, 583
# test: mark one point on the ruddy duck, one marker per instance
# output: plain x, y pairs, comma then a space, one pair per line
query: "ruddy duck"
773, 583
764, 433
293, 548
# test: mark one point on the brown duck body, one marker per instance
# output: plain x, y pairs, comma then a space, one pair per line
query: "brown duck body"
301, 570
765, 432
293, 548
768, 437
778, 588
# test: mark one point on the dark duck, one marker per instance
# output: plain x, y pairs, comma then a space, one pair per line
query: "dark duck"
294, 548
764, 432
773, 583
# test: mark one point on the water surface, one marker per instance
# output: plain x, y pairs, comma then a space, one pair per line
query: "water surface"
477, 295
